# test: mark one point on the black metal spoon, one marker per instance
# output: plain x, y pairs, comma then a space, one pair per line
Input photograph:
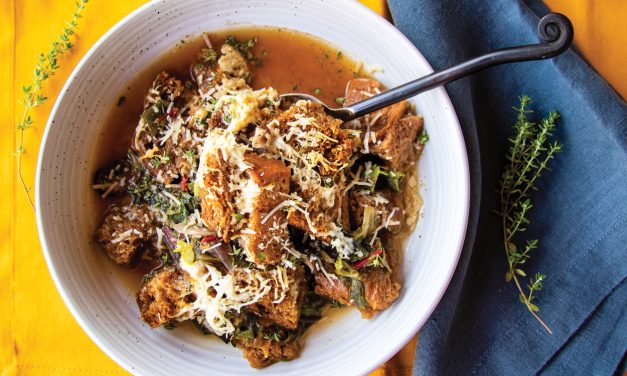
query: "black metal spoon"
554, 29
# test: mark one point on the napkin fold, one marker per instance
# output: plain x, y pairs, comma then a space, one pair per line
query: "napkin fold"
580, 212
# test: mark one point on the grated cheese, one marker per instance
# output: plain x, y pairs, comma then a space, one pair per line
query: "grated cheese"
217, 293
386, 224
171, 197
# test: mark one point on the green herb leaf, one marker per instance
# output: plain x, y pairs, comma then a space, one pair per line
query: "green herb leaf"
345, 270
236, 250
368, 223
357, 294
423, 138
393, 179
245, 48
208, 56
186, 250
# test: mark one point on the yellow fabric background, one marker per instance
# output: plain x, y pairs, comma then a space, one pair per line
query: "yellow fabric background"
37, 333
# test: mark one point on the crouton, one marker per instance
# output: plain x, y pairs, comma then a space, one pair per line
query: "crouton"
232, 64
392, 133
334, 289
160, 150
216, 210
399, 145
265, 245
317, 137
261, 352
380, 289
164, 87
263, 238
161, 298
379, 121
287, 312
359, 89
125, 233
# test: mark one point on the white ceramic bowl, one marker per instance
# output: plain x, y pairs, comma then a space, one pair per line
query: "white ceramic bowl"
88, 283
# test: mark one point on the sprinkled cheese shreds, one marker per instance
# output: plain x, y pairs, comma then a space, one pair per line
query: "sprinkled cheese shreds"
343, 245
222, 144
218, 293
242, 108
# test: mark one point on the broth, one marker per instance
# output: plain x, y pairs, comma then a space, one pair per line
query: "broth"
290, 61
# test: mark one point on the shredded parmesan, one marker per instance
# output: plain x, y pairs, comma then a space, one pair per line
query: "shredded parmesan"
126, 235
217, 293
171, 197
206, 39
367, 139
386, 224
276, 209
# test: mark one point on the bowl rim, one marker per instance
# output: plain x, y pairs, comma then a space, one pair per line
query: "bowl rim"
71, 304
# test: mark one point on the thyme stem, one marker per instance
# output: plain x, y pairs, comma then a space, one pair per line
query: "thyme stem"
45, 68
529, 154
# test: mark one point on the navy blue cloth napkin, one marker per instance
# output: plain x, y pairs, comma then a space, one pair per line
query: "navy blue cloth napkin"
580, 213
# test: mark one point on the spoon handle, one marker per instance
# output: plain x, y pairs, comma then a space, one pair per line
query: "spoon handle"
554, 29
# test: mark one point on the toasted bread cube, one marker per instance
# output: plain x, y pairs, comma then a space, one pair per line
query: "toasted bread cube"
161, 298
125, 233
265, 245
359, 89
286, 312
261, 352
380, 289
380, 121
398, 144
216, 212
334, 288
393, 132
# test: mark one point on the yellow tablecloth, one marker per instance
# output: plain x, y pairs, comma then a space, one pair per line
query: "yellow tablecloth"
37, 333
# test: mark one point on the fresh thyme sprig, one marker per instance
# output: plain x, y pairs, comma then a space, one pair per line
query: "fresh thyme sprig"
46, 67
528, 156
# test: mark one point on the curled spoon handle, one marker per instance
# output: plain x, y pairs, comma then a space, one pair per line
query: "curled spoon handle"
554, 29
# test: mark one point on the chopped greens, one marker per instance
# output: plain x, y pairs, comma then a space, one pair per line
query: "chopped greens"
153, 113
145, 189
368, 223
392, 177
245, 48
423, 138
357, 294
208, 55
344, 269
186, 250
